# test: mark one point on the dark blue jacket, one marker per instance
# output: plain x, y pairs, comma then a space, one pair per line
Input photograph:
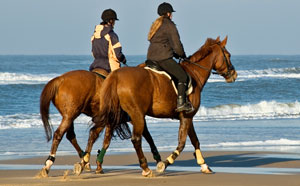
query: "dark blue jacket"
106, 49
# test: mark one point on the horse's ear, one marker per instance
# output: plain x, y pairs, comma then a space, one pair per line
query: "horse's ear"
218, 39
223, 43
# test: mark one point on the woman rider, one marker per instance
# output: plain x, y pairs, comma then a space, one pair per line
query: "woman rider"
164, 45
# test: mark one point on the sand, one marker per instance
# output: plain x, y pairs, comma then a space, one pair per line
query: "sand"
231, 168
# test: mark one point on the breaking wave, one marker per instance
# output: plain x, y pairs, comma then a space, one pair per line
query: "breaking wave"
261, 110
243, 75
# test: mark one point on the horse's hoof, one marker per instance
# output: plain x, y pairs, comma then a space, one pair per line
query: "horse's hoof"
160, 167
206, 170
148, 174
77, 169
87, 167
43, 173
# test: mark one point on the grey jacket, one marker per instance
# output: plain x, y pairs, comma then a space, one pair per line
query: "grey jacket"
165, 42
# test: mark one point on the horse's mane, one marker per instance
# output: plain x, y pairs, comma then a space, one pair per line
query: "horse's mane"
204, 50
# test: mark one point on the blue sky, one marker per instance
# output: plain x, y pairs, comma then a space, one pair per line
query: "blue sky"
65, 26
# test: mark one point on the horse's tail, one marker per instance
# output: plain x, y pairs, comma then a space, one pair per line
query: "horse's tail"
47, 95
111, 112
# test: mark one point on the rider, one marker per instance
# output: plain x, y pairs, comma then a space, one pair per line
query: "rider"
106, 47
164, 45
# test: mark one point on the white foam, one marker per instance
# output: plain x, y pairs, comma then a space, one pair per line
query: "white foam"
279, 73
22, 78
261, 110
279, 142
243, 75
34, 120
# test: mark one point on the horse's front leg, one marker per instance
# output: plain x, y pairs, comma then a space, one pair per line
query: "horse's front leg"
94, 134
136, 139
185, 124
148, 137
200, 159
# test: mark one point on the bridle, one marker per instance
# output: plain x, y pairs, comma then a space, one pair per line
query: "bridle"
230, 67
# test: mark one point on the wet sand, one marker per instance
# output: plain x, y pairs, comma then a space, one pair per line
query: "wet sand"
231, 168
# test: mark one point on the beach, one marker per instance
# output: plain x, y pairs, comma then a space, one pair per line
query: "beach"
231, 168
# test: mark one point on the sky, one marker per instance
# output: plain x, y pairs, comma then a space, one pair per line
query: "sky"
253, 27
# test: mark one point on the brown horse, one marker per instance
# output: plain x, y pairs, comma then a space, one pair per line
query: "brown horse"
141, 92
73, 93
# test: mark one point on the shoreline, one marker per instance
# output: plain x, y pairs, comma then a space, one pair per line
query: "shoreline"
231, 168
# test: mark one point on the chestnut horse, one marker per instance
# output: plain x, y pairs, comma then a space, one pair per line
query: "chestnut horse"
73, 93
141, 92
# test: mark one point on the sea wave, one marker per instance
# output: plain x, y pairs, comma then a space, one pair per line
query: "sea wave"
23, 78
34, 120
261, 110
278, 73
277, 142
243, 75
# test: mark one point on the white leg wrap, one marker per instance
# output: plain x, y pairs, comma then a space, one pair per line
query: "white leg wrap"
48, 165
171, 159
200, 159
204, 167
86, 158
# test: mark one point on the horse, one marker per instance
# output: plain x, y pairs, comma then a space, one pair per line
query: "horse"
140, 92
74, 93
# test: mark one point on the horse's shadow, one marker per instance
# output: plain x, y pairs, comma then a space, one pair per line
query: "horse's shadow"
235, 160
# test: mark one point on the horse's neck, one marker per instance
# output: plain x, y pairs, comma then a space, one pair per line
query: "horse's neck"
201, 70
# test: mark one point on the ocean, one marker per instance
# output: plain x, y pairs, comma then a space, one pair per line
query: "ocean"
259, 112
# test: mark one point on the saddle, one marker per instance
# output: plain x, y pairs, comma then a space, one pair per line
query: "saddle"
100, 72
153, 66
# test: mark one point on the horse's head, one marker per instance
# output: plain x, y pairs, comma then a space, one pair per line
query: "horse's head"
223, 65
214, 51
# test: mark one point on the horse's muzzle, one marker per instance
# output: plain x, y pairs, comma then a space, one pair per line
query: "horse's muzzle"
232, 77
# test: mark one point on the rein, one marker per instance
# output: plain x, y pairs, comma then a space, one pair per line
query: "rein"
187, 60
229, 67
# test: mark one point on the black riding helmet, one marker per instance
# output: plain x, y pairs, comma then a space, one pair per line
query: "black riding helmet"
164, 8
109, 14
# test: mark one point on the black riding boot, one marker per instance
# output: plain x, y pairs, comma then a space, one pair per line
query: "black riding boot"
183, 103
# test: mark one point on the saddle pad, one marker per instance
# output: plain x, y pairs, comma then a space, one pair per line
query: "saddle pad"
100, 72
190, 87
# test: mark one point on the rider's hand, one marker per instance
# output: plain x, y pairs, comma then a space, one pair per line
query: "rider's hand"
175, 55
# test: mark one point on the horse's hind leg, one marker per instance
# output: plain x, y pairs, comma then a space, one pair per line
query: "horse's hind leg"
57, 137
101, 153
148, 137
71, 136
185, 124
94, 134
200, 160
